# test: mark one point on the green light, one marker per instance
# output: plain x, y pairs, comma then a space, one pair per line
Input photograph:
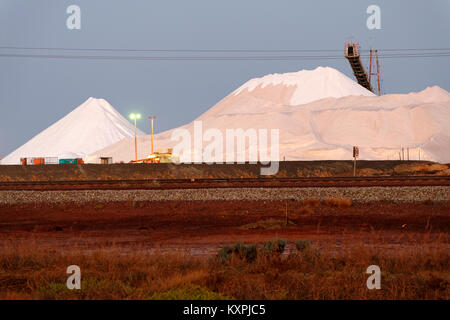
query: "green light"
132, 116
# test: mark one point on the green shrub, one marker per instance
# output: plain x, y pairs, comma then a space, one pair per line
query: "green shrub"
90, 288
251, 252
302, 245
225, 253
55, 290
191, 292
274, 246
309, 252
239, 250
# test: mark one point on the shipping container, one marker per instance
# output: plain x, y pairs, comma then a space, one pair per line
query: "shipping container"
106, 160
67, 161
38, 161
71, 161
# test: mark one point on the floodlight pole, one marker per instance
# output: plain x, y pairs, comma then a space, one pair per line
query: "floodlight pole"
135, 140
134, 117
151, 118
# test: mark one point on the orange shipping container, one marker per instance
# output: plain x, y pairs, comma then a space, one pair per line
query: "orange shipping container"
38, 161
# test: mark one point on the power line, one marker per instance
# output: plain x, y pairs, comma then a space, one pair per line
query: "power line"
212, 58
414, 49
168, 50
208, 50
211, 54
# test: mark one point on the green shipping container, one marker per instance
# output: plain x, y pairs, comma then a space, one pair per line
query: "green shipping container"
67, 161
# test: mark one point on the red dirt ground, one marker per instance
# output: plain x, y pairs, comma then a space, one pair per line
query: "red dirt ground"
202, 227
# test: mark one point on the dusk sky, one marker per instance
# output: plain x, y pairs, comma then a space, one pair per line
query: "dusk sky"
35, 92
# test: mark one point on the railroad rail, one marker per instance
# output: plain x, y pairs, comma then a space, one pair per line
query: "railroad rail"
159, 184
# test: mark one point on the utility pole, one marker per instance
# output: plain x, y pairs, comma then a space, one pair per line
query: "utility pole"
152, 118
378, 73
374, 52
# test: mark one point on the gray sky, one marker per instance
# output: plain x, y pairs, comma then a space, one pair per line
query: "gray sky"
36, 92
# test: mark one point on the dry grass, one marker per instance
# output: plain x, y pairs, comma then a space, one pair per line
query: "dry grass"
422, 272
305, 210
311, 202
422, 169
339, 203
268, 224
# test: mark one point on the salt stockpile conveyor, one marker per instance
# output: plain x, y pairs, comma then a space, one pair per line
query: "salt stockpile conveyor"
353, 56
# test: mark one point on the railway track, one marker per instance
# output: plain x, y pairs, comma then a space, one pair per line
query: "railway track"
159, 184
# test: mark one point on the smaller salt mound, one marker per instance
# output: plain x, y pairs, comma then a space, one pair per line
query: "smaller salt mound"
93, 125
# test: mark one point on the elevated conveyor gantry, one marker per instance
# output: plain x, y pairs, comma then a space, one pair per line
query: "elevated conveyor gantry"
353, 56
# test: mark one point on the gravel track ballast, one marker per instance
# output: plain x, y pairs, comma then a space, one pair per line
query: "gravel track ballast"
360, 194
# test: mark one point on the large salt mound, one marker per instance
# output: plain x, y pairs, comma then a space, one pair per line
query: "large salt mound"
321, 114
305, 86
276, 90
93, 125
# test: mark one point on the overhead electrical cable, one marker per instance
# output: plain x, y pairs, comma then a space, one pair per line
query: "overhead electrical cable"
206, 58
208, 54
207, 50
